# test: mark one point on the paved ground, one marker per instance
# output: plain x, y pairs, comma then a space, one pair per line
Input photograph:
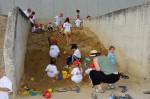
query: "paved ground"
136, 87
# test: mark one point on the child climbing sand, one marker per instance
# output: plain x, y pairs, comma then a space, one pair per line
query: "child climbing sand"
51, 69
5, 85
76, 72
54, 50
58, 21
75, 56
78, 23
67, 30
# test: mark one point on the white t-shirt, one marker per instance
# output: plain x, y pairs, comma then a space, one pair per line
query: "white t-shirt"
78, 22
27, 13
54, 50
5, 83
58, 20
76, 75
67, 27
51, 70
88, 71
77, 53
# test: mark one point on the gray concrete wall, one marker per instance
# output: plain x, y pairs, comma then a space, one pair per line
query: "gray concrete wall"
47, 9
15, 46
129, 31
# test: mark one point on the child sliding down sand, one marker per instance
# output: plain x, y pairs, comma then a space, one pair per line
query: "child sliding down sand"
51, 69
54, 50
76, 72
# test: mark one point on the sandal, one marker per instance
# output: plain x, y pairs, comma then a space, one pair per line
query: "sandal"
98, 90
110, 87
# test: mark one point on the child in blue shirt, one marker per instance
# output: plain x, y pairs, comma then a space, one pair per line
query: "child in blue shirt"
111, 55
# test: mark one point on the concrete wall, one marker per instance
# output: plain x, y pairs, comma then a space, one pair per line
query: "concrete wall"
129, 31
15, 45
47, 9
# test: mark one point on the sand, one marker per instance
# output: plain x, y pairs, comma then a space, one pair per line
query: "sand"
37, 58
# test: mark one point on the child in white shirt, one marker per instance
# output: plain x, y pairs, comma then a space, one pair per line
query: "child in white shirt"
34, 28
67, 30
76, 72
5, 86
50, 27
87, 72
27, 12
58, 21
54, 50
41, 27
78, 23
51, 69
75, 56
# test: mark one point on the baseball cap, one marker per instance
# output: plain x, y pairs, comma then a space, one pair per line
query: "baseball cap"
54, 40
76, 62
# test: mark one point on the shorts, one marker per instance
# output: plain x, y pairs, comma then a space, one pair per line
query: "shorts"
67, 33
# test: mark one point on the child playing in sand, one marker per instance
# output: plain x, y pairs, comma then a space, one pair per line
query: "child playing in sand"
76, 72
58, 21
75, 56
111, 55
34, 28
54, 50
67, 30
41, 27
5, 85
87, 71
51, 69
50, 27
78, 23
27, 12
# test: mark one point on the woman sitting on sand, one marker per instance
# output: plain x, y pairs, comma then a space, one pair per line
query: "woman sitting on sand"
105, 72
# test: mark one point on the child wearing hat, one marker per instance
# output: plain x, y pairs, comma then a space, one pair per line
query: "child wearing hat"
75, 56
27, 12
76, 72
51, 69
87, 72
50, 27
34, 28
41, 27
5, 85
58, 21
54, 50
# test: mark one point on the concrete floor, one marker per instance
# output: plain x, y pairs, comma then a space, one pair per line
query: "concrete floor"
136, 87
